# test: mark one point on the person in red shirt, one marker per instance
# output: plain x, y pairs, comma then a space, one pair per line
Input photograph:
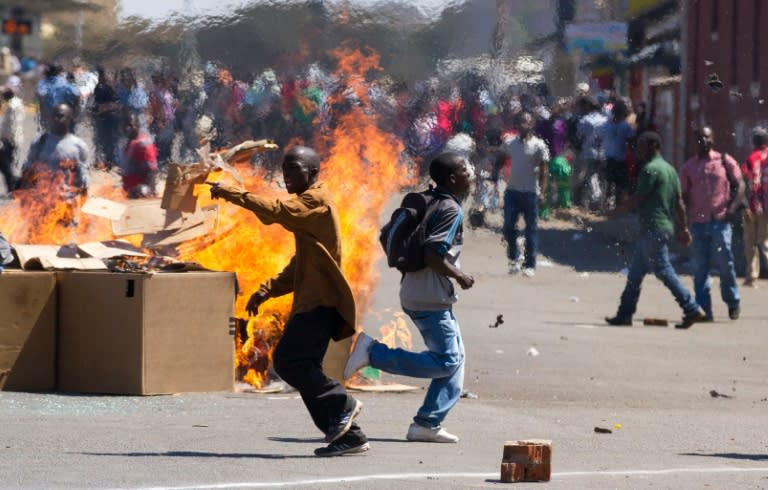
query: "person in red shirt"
139, 160
755, 219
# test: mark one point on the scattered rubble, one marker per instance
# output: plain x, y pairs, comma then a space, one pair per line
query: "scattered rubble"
499, 321
655, 322
715, 394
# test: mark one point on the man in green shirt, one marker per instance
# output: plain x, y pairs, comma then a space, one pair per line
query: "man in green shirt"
660, 207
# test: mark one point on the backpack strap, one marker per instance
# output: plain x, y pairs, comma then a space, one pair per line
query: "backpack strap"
436, 197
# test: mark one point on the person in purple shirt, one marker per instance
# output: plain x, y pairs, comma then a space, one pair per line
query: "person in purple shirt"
704, 180
554, 132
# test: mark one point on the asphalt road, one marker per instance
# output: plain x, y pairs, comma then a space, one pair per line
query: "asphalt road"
655, 382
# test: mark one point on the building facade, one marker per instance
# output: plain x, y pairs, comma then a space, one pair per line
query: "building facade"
726, 62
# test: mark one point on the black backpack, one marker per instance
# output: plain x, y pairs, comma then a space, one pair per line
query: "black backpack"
402, 238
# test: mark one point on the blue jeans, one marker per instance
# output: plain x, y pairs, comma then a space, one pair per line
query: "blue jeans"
527, 203
443, 362
712, 246
652, 255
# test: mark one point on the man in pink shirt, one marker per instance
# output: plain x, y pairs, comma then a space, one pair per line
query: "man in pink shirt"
706, 193
755, 219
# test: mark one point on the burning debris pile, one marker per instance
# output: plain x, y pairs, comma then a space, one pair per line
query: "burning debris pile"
361, 170
52, 225
185, 229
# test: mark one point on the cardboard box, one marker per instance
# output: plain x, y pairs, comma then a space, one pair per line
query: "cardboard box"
27, 331
144, 334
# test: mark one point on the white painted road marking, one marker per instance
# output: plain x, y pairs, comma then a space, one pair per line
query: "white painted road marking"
425, 476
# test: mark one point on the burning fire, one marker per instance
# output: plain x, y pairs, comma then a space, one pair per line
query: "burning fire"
361, 168
396, 333
48, 212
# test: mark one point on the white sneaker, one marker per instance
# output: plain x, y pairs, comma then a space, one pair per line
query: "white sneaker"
419, 433
359, 357
529, 272
514, 267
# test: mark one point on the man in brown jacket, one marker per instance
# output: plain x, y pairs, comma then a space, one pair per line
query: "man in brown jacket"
323, 305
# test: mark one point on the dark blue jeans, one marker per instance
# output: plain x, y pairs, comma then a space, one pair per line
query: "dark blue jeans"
527, 204
712, 246
652, 255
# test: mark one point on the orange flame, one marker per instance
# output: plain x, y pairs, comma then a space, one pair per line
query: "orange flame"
361, 168
397, 333
362, 171
47, 212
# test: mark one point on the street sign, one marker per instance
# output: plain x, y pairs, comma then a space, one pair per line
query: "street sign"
17, 27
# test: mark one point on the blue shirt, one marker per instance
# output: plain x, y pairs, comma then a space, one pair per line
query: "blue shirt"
588, 133
425, 289
615, 136
52, 91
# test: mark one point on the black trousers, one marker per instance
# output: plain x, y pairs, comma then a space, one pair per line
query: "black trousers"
298, 361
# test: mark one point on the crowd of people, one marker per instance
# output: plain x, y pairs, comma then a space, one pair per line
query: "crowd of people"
549, 152
287, 107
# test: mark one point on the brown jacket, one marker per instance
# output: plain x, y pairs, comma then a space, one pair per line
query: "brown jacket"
314, 273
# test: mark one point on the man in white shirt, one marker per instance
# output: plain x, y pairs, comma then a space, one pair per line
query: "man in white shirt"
11, 134
58, 150
529, 157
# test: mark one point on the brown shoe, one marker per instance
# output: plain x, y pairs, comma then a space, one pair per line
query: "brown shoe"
750, 283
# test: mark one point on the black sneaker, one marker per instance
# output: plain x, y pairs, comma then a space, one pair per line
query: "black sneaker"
341, 424
734, 312
343, 446
618, 321
691, 318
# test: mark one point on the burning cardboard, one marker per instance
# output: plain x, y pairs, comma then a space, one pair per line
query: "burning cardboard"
243, 153
191, 231
144, 216
25, 253
65, 264
180, 184
87, 256
110, 248
104, 208
179, 192
54, 257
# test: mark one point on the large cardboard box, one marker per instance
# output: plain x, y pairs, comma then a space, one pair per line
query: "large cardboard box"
27, 331
144, 334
